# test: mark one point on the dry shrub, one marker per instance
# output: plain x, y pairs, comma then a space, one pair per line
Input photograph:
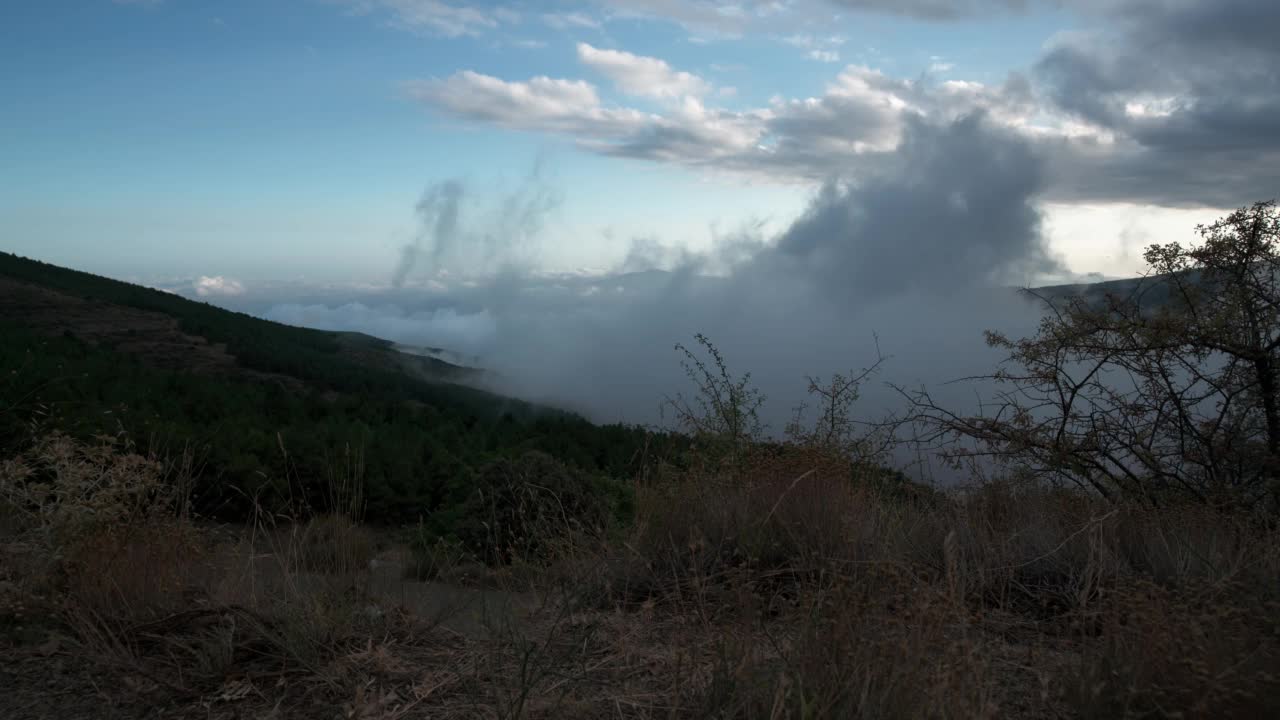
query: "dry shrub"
127, 575
1034, 551
795, 590
1194, 652
1193, 544
101, 527
694, 538
521, 507
882, 646
432, 557
62, 491
332, 544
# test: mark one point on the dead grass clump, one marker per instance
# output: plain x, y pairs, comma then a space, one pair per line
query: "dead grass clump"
98, 529
1193, 652
693, 538
1033, 551
62, 491
432, 557
332, 544
129, 575
520, 508
880, 647
1193, 544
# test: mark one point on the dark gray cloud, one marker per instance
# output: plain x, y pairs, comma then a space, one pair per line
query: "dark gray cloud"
1190, 89
957, 210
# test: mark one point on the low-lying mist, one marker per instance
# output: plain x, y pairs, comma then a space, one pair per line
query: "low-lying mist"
912, 261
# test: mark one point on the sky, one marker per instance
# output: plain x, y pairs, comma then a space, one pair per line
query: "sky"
493, 176
291, 139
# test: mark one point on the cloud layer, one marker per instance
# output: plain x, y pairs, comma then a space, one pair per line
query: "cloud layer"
217, 286
1174, 103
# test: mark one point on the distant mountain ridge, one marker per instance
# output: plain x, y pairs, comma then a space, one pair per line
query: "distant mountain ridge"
1155, 289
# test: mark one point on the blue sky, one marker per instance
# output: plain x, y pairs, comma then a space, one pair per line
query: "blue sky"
270, 140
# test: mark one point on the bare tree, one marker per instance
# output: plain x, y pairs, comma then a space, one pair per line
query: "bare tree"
725, 409
834, 429
1166, 390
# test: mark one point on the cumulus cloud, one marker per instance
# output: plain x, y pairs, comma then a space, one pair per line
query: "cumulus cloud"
217, 286
854, 128
542, 103
958, 210
642, 76
1172, 102
687, 132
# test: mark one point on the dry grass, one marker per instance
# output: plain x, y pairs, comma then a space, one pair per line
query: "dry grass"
799, 592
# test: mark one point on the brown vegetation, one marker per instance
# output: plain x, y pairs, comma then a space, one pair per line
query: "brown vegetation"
801, 594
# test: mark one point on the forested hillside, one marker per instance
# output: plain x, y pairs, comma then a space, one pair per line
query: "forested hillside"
267, 409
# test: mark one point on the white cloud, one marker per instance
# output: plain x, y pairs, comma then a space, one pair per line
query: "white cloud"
1111, 237
726, 16
818, 47
698, 15
565, 21
642, 76
814, 41
542, 103
1108, 126
436, 16
854, 126
689, 132
217, 286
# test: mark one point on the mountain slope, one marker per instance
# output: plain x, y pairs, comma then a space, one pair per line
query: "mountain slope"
105, 310
267, 410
